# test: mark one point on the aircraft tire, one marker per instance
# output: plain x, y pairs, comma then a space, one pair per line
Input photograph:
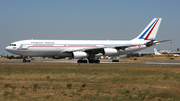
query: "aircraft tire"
97, 61
24, 60
79, 61
84, 61
91, 61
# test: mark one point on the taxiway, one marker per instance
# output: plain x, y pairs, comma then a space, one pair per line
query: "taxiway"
73, 61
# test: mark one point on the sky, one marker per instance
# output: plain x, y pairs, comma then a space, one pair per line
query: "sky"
87, 20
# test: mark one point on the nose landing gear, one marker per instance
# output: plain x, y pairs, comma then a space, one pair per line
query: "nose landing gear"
24, 59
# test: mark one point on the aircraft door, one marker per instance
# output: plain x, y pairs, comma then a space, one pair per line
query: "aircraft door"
24, 47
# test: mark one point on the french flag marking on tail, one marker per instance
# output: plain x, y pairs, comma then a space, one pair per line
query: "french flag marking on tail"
149, 33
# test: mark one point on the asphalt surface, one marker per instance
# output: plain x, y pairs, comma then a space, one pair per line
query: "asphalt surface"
131, 62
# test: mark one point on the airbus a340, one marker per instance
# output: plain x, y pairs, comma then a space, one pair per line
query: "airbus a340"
86, 50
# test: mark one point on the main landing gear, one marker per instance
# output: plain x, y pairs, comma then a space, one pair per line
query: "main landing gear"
82, 61
94, 61
90, 61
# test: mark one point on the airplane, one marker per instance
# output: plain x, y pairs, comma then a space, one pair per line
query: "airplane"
176, 54
86, 50
158, 53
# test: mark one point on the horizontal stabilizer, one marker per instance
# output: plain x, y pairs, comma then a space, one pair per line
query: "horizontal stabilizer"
157, 42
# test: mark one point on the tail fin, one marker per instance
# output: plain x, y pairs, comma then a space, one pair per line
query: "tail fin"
156, 52
149, 33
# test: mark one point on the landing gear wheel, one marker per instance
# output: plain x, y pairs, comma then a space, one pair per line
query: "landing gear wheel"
82, 61
24, 60
97, 61
94, 61
79, 61
91, 61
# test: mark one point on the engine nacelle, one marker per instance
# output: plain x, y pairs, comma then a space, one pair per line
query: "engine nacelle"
111, 52
80, 54
62, 55
57, 57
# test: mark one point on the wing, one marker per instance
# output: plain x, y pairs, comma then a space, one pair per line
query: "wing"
84, 49
98, 49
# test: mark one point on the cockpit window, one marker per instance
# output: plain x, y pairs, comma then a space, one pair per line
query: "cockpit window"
12, 45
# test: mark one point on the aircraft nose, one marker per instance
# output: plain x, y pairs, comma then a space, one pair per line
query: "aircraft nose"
8, 48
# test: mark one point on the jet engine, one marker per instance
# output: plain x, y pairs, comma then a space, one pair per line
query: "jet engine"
80, 54
56, 57
111, 51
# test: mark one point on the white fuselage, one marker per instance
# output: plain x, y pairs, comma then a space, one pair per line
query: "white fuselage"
57, 47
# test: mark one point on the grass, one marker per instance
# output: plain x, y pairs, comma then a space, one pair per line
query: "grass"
86, 82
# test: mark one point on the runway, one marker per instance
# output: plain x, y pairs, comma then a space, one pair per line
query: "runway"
74, 61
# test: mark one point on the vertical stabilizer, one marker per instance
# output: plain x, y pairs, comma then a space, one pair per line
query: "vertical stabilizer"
156, 52
149, 33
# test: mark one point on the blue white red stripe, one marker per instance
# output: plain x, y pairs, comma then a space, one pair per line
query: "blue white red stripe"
151, 29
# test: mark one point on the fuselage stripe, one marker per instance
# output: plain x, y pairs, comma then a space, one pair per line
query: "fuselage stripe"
52, 46
142, 36
151, 31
